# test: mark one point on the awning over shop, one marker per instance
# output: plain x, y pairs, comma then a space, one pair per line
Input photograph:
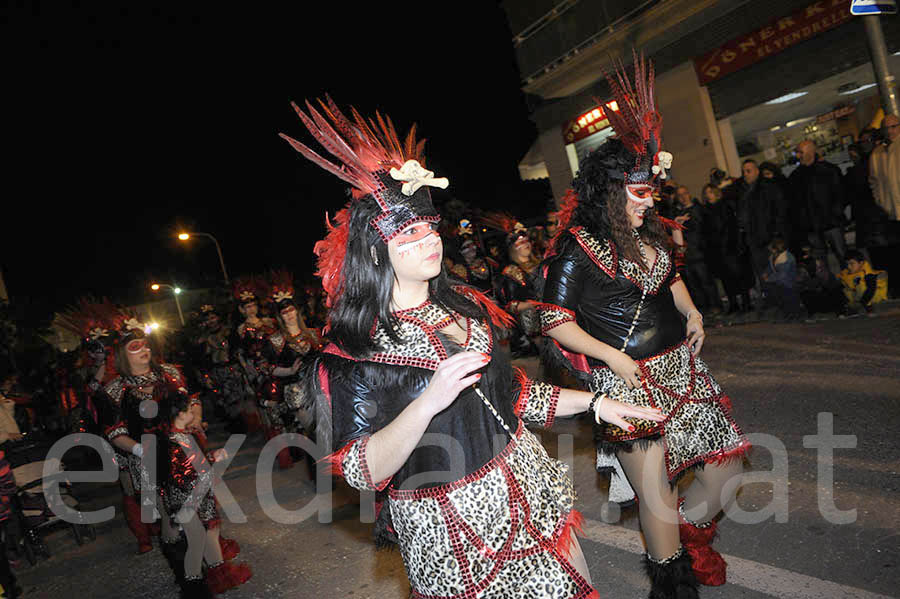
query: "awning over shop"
532, 166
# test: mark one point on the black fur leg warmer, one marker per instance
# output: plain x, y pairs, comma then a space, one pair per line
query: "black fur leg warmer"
672, 578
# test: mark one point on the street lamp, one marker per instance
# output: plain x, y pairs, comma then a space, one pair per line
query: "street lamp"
186, 236
176, 291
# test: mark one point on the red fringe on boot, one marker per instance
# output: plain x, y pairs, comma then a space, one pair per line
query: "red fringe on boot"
227, 575
140, 530
230, 548
708, 564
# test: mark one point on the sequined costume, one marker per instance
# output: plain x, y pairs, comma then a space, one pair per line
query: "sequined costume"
188, 467
124, 395
225, 375
282, 396
493, 521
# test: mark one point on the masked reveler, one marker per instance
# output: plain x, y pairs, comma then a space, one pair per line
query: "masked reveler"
89, 320
282, 357
417, 397
518, 283
614, 305
224, 375
126, 418
250, 337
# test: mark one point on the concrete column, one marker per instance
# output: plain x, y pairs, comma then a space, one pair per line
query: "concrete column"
732, 159
556, 158
689, 127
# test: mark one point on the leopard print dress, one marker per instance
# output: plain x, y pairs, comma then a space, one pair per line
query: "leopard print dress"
497, 531
699, 427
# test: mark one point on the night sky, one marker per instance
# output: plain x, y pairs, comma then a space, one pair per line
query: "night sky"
124, 126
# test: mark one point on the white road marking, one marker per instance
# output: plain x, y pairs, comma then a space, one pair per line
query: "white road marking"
755, 576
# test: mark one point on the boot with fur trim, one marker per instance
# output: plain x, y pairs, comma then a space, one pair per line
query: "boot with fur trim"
709, 565
672, 578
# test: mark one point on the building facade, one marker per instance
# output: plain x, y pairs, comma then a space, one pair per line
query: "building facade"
735, 79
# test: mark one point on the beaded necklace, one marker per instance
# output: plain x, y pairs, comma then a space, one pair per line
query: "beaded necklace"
645, 285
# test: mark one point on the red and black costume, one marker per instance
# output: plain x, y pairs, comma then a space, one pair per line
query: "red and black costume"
496, 519
631, 308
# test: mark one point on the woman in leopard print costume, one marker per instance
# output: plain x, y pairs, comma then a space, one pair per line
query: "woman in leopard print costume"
421, 404
613, 305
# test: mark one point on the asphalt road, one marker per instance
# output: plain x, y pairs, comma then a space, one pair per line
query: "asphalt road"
787, 383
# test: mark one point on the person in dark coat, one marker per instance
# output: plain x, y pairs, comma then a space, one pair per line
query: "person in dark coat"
817, 204
761, 213
726, 258
869, 218
689, 213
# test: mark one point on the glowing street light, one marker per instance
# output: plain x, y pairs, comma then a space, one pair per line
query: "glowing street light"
185, 236
176, 291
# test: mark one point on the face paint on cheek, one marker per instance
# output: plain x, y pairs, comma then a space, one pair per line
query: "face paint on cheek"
415, 242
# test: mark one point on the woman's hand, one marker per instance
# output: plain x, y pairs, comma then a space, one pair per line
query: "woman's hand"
451, 377
625, 368
296, 365
615, 412
695, 333
219, 455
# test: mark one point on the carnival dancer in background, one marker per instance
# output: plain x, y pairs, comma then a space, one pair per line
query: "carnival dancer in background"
250, 337
516, 286
140, 378
414, 361
88, 319
182, 465
283, 355
225, 376
614, 305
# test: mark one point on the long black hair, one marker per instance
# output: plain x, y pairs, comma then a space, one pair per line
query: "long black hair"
368, 288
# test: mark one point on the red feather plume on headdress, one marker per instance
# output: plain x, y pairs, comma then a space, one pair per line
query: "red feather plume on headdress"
502, 221
637, 119
331, 252
362, 147
91, 318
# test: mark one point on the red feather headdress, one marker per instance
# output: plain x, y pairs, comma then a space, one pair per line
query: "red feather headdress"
373, 160
246, 289
91, 319
637, 123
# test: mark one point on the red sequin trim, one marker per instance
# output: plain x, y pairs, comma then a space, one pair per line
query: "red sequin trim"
551, 412
608, 264
336, 460
431, 492
568, 316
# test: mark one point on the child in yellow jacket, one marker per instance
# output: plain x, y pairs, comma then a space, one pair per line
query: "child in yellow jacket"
863, 286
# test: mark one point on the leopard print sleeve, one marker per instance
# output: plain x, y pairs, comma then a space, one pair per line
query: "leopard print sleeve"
537, 401
351, 464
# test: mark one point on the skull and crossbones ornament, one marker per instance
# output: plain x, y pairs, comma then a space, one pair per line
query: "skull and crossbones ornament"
414, 176
663, 162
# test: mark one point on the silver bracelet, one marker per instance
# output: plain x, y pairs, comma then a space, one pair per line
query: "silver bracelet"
688, 315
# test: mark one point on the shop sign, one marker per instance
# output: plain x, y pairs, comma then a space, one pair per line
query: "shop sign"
835, 114
873, 7
590, 122
775, 37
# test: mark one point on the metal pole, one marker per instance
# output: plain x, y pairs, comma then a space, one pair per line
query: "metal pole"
221, 259
178, 305
878, 51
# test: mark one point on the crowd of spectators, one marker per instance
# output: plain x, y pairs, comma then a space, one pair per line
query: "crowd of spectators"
817, 241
